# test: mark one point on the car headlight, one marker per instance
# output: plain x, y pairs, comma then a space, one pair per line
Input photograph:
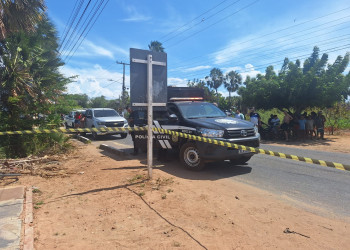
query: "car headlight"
101, 123
256, 130
211, 132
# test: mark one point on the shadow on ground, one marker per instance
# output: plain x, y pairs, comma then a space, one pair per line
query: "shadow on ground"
308, 142
172, 165
105, 137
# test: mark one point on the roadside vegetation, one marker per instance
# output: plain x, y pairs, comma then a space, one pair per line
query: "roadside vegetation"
31, 84
32, 89
316, 85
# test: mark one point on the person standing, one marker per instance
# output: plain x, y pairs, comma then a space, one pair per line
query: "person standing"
275, 123
309, 127
319, 122
239, 115
255, 118
286, 124
302, 127
77, 119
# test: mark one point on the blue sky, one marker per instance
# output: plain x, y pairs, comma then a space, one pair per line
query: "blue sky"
242, 35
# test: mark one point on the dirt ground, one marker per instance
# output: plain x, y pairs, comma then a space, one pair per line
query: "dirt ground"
99, 201
339, 142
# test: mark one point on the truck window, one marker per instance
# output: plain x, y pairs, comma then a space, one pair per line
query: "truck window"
173, 110
105, 113
192, 110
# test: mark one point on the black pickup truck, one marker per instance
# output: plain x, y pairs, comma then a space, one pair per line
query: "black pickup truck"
191, 116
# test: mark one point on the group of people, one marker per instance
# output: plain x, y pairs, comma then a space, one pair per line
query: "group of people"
302, 126
79, 120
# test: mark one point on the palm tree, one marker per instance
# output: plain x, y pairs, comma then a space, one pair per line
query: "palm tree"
156, 46
215, 80
233, 79
19, 15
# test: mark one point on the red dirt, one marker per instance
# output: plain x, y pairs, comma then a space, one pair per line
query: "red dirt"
105, 202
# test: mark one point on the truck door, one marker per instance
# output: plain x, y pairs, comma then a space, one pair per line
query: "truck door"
88, 118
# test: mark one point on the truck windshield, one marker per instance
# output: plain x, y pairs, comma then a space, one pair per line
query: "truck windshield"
192, 110
105, 113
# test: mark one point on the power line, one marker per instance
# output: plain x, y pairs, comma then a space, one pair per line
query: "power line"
279, 46
76, 25
77, 10
171, 32
114, 81
89, 29
277, 31
201, 21
184, 39
81, 27
76, 41
279, 61
300, 57
69, 19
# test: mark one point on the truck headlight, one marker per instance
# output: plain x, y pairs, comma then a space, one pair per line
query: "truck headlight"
256, 130
211, 132
101, 123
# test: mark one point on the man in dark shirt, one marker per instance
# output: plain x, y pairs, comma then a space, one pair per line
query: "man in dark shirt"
319, 122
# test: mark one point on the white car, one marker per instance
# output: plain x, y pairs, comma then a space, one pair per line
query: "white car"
105, 118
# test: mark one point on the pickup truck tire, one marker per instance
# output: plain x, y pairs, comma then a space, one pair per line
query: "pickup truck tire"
66, 125
190, 158
240, 161
123, 136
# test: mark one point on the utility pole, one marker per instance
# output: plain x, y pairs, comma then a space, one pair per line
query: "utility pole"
123, 94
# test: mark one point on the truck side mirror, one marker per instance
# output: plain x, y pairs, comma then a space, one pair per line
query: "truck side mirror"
173, 117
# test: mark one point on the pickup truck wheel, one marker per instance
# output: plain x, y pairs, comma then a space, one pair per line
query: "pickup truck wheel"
240, 161
66, 125
190, 158
123, 136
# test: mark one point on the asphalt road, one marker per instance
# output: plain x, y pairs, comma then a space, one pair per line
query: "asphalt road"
320, 189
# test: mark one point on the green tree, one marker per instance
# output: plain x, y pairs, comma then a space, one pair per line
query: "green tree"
99, 102
156, 46
19, 15
82, 100
215, 80
296, 88
232, 82
208, 94
30, 84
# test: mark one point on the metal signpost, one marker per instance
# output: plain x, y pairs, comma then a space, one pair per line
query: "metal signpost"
149, 61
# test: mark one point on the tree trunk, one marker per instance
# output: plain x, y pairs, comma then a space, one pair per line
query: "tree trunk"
230, 100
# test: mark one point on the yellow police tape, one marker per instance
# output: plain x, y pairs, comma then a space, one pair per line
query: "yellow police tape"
188, 136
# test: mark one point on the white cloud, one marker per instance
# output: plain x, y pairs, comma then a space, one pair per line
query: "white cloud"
89, 49
197, 68
97, 50
95, 81
177, 82
232, 50
228, 69
134, 15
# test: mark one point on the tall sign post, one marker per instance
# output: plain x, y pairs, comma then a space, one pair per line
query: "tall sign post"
156, 90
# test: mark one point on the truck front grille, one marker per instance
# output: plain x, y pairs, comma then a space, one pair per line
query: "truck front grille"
239, 133
114, 124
